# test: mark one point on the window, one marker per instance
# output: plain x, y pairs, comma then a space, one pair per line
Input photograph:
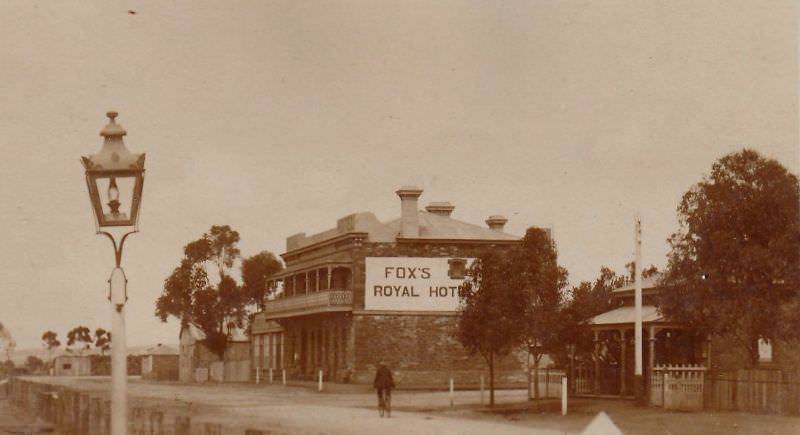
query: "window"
458, 268
764, 350
66, 366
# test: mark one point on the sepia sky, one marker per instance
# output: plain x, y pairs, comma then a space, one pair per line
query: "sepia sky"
280, 117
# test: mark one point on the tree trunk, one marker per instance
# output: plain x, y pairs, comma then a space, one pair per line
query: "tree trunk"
491, 378
528, 372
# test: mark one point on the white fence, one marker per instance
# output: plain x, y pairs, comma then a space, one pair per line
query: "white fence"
677, 387
549, 382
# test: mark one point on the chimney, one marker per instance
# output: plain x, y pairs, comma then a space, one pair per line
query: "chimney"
440, 208
496, 222
409, 220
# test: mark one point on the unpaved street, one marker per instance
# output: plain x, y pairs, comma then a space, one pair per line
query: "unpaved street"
295, 409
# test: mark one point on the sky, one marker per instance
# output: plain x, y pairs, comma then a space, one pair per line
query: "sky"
280, 117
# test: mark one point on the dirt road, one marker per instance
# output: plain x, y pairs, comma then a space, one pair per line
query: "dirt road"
293, 410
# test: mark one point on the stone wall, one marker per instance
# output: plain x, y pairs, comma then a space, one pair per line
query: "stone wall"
421, 351
419, 348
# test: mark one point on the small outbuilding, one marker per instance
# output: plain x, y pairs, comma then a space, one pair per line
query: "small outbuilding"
196, 363
69, 364
160, 363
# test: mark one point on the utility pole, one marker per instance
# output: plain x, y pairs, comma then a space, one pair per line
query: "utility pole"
638, 378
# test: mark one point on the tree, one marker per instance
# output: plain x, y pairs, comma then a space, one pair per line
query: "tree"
214, 302
489, 311
647, 272
734, 264
585, 301
34, 364
80, 335
50, 340
256, 271
534, 271
102, 340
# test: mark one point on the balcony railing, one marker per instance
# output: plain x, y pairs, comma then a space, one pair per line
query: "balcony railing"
316, 302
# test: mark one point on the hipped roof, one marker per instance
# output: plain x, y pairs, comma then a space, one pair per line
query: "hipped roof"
626, 315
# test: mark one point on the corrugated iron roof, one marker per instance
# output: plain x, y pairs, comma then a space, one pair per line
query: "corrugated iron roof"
625, 315
160, 349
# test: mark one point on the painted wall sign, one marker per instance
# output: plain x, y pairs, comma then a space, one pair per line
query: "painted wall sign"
413, 283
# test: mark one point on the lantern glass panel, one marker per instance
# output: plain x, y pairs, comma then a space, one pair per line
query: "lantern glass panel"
116, 197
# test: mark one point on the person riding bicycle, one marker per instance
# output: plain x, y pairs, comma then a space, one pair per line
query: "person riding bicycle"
383, 384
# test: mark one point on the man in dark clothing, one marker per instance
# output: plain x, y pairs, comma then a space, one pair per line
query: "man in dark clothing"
383, 384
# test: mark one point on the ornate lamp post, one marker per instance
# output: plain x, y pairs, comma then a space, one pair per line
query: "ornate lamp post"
116, 175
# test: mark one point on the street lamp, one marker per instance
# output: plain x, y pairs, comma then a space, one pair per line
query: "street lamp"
116, 175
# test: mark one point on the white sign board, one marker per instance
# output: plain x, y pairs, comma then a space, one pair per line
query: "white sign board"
412, 283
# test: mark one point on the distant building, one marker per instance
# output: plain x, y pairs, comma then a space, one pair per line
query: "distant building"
366, 292
69, 364
196, 363
160, 363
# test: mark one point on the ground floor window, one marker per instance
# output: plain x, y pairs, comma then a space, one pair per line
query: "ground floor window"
764, 350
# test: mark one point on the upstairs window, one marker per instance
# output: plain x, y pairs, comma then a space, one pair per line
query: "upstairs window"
458, 268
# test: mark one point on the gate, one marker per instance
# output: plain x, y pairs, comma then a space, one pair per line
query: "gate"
677, 387
549, 382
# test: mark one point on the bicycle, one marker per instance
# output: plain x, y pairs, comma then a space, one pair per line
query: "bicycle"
385, 402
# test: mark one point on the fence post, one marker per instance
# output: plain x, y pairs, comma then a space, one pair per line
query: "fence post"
284, 376
451, 392
319, 384
270, 375
564, 383
546, 381
258, 375
482, 388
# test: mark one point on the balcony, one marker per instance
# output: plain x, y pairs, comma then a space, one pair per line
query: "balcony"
324, 301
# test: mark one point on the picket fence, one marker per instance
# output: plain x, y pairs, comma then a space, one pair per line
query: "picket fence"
677, 386
549, 382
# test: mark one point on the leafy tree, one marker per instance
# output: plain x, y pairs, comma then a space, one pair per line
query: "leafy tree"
214, 303
734, 265
50, 340
256, 271
646, 272
534, 271
585, 301
102, 340
34, 364
489, 311
80, 335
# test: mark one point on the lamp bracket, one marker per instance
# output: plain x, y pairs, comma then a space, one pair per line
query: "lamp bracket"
118, 248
